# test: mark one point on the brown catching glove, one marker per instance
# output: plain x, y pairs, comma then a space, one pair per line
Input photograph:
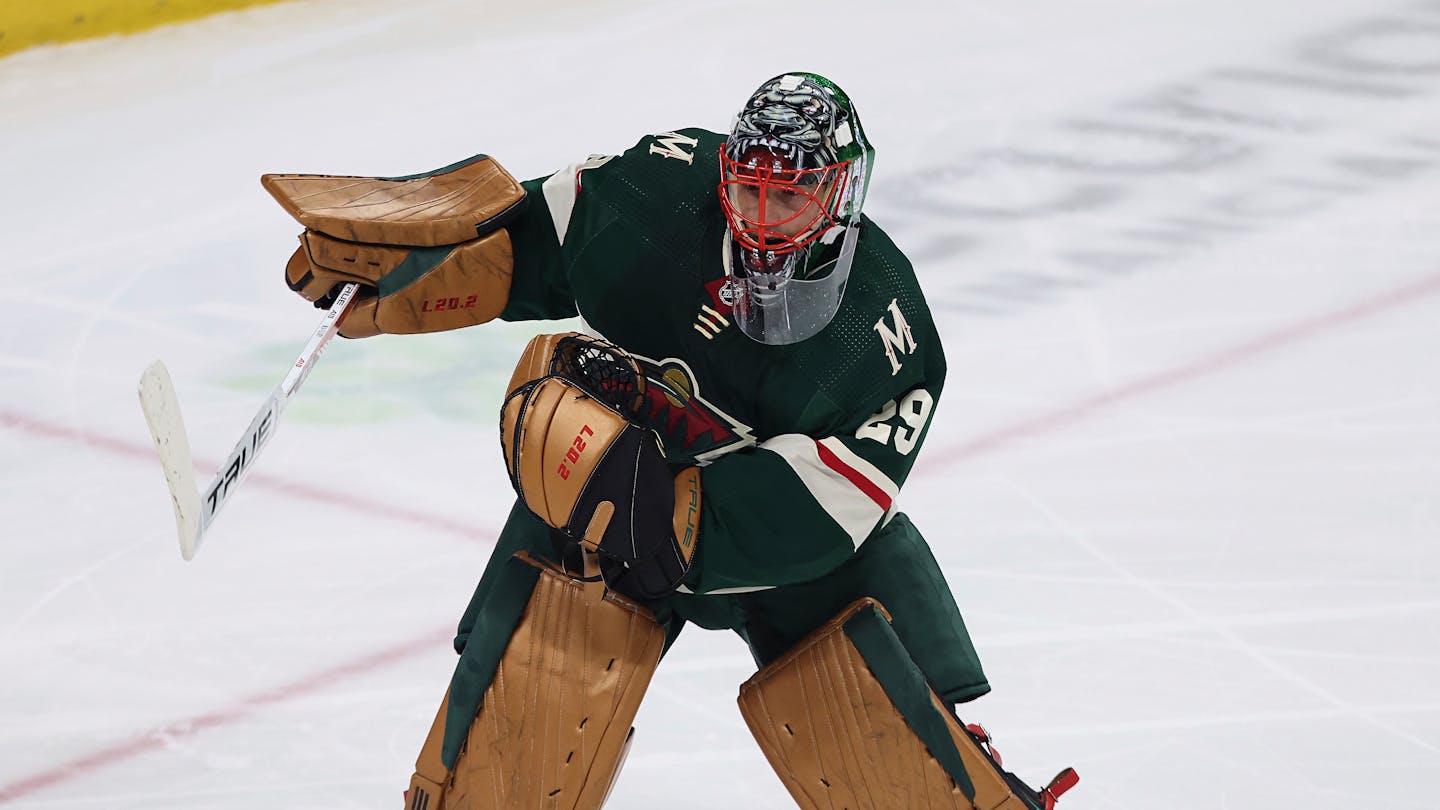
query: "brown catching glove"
581, 462
429, 251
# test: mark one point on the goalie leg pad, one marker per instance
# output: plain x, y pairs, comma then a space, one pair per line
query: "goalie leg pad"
554, 724
847, 720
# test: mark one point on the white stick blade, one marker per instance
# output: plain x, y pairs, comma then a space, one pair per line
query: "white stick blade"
167, 428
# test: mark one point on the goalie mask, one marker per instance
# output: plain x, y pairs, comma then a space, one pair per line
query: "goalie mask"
793, 176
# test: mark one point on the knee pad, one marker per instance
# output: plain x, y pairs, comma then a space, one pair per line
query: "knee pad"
554, 725
847, 719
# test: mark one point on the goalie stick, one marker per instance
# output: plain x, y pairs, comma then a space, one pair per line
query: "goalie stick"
193, 514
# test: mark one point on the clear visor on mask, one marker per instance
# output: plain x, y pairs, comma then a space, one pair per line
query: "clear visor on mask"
778, 307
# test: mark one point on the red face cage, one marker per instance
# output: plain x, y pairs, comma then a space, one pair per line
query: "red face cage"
774, 208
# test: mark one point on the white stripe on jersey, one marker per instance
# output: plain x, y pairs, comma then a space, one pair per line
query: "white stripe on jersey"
854, 509
877, 480
562, 187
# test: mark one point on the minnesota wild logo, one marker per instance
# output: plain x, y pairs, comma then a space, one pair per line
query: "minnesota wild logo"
690, 427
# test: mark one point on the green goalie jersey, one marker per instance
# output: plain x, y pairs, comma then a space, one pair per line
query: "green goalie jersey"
804, 447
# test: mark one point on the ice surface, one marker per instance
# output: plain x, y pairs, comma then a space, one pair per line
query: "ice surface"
1185, 478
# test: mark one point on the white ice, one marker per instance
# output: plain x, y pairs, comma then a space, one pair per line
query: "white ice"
1184, 480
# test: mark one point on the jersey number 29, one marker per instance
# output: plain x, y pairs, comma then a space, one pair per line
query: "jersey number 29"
913, 410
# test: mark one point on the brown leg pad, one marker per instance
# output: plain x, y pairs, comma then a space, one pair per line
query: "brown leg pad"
554, 725
427, 785
838, 740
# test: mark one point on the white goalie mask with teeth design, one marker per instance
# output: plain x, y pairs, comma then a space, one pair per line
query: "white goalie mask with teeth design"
794, 170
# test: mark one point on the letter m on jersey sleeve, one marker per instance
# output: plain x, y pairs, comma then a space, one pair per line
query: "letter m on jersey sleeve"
895, 337
674, 145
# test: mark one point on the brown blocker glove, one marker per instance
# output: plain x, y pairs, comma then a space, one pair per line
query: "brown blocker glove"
582, 463
429, 251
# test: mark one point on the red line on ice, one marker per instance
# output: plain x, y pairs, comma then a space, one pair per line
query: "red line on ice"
940, 458
295, 489
946, 456
164, 736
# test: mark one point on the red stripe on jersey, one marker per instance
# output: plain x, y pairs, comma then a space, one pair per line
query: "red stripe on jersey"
854, 476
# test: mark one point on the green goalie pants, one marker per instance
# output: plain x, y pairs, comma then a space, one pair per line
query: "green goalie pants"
895, 567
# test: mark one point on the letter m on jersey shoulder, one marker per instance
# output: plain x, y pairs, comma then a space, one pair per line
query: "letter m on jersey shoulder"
896, 340
672, 145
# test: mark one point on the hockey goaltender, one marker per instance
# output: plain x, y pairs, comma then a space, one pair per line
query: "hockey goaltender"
722, 446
